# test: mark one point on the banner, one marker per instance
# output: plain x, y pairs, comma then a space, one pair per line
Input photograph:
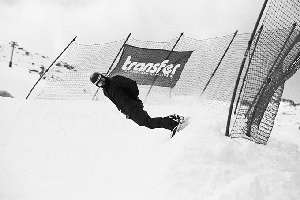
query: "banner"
145, 65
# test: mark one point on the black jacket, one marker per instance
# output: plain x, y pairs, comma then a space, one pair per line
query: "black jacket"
123, 92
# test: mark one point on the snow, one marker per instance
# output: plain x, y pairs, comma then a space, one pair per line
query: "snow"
89, 150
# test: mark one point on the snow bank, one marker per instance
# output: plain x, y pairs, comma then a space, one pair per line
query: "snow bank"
88, 150
211, 166
18, 83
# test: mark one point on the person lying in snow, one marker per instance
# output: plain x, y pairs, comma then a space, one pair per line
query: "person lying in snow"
123, 92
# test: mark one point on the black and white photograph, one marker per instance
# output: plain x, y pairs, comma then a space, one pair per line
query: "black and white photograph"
149, 99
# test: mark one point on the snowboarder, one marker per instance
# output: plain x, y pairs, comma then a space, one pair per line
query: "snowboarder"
123, 92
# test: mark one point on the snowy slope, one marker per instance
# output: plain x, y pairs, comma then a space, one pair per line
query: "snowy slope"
23, 60
24, 72
88, 150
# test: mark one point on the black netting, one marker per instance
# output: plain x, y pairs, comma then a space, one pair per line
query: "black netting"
69, 77
275, 59
210, 73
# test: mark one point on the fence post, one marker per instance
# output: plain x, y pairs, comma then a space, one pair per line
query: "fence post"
118, 54
50, 67
250, 59
219, 63
113, 63
165, 59
241, 68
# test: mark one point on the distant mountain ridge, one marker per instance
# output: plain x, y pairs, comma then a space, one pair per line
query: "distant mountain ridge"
23, 59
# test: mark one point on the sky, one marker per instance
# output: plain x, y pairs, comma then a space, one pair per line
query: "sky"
48, 26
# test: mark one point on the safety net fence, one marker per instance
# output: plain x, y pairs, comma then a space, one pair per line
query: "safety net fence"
209, 73
274, 58
208, 69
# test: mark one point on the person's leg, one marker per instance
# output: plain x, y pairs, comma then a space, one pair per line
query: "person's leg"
141, 117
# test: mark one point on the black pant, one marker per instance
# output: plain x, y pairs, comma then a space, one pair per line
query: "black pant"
141, 117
